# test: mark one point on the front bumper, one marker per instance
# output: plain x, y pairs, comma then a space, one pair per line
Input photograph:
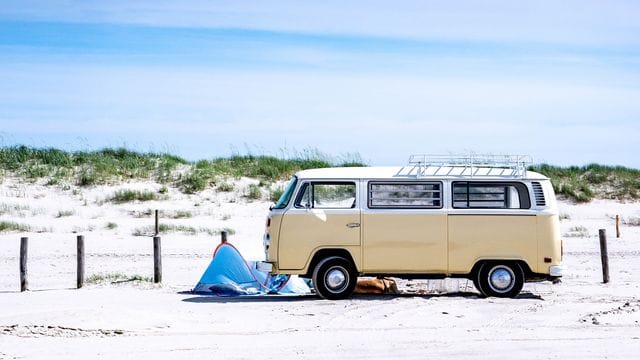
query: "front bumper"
264, 266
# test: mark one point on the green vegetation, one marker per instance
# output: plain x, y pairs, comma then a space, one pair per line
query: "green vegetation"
631, 221
127, 195
111, 225
253, 192
585, 183
65, 213
181, 214
577, 231
266, 168
86, 167
275, 194
184, 229
564, 216
225, 187
12, 209
6, 226
116, 278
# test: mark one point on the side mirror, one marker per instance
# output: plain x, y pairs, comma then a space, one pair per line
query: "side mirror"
271, 206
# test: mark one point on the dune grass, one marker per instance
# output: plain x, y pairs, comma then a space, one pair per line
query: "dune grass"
182, 229
253, 192
9, 226
87, 167
65, 213
128, 195
585, 183
116, 278
577, 231
203, 174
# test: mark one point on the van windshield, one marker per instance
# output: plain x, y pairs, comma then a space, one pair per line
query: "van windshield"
286, 195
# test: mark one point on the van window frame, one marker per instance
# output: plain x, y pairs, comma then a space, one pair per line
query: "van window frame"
306, 183
386, 182
523, 194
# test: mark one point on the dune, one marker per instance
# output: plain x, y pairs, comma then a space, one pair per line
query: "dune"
120, 313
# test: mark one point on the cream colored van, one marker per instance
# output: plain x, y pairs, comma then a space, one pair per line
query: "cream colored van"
485, 218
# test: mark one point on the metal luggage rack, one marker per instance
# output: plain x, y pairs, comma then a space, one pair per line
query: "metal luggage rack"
466, 165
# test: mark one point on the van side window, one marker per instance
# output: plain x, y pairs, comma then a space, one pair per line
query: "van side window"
319, 195
490, 195
415, 195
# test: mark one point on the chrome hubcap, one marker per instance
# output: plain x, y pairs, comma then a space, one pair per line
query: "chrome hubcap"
336, 279
501, 279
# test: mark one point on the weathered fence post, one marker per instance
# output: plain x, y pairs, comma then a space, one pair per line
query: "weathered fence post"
617, 226
157, 224
24, 282
80, 256
223, 236
157, 260
604, 256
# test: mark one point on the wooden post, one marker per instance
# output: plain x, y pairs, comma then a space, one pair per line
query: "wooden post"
80, 256
157, 224
223, 236
157, 260
617, 226
24, 282
604, 256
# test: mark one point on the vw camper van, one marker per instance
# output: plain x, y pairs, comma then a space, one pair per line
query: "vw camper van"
485, 218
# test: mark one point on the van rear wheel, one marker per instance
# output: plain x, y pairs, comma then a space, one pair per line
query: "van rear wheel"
334, 278
500, 279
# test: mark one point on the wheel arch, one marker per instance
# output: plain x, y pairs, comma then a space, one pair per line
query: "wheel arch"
523, 265
324, 253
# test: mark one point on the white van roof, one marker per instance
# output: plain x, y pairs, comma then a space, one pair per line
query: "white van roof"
409, 173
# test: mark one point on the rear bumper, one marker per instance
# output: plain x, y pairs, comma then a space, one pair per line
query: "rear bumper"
556, 270
264, 266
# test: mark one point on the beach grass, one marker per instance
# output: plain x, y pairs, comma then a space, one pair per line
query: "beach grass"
584, 183
115, 278
88, 168
10, 226
128, 195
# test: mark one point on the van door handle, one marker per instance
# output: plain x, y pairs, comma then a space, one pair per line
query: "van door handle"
353, 225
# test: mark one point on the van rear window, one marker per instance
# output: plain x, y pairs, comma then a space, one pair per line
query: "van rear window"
490, 195
416, 195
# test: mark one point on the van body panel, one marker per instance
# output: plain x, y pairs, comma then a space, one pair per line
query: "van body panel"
473, 237
400, 241
302, 231
549, 242
273, 233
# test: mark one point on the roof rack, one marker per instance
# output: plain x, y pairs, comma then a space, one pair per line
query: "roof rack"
466, 165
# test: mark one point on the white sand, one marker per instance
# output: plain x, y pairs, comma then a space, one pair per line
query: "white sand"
580, 318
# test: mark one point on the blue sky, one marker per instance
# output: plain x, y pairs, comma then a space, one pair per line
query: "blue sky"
559, 81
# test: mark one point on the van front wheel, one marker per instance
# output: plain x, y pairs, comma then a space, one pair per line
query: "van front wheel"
500, 279
334, 278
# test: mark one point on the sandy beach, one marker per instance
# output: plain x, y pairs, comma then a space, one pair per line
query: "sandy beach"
112, 317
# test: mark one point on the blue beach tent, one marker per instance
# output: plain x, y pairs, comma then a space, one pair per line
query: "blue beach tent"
229, 274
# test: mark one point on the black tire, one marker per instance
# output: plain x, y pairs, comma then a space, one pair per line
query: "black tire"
334, 278
500, 279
